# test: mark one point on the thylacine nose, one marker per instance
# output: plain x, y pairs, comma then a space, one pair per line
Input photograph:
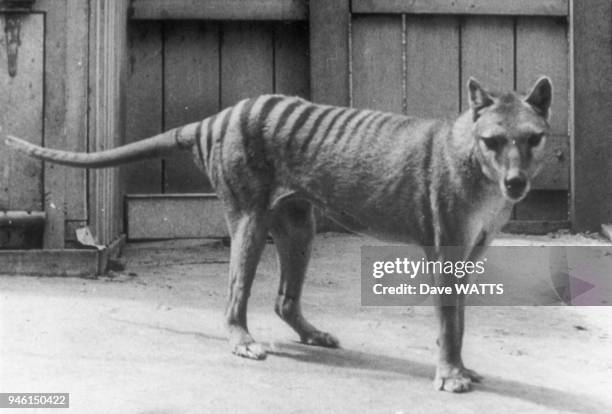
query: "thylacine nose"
516, 184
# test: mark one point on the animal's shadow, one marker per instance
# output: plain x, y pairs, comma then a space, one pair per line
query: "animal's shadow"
376, 363
544, 396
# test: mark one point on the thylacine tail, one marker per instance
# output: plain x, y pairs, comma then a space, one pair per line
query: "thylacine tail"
184, 137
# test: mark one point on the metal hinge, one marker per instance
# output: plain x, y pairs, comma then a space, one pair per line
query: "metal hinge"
14, 11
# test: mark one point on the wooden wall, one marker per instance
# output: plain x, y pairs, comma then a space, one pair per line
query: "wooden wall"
419, 65
183, 71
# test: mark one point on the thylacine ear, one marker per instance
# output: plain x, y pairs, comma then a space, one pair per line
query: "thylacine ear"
540, 96
479, 98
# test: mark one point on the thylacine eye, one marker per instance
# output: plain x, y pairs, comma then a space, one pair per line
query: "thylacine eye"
535, 139
494, 143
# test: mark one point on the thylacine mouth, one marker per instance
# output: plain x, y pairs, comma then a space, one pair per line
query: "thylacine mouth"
515, 197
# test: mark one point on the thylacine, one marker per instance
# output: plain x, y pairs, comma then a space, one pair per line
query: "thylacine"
433, 182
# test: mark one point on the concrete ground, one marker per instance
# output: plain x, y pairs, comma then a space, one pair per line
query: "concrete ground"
151, 340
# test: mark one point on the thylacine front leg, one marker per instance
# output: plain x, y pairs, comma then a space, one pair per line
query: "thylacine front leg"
475, 254
451, 374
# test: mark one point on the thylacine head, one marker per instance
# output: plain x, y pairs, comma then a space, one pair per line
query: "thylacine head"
510, 133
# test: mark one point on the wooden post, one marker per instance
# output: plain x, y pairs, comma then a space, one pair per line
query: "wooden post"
591, 126
108, 56
329, 51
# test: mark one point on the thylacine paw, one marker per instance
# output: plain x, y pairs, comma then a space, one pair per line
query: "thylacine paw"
456, 379
319, 338
250, 350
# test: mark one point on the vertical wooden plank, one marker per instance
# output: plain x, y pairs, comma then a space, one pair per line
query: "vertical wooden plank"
542, 49
591, 65
329, 51
487, 53
21, 112
55, 123
432, 66
191, 85
377, 63
76, 105
246, 61
143, 102
291, 59
555, 174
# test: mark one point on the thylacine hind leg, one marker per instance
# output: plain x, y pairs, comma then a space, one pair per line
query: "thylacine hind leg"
293, 230
248, 233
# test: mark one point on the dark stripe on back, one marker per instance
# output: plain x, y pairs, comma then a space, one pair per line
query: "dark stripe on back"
198, 136
282, 120
315, 127
355, 129
265, 111
209, 137
299, 123
333, 121
345, 124
177, 136
252, 138
402, 125
368, 125
245, 114
225, 123
384, 120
